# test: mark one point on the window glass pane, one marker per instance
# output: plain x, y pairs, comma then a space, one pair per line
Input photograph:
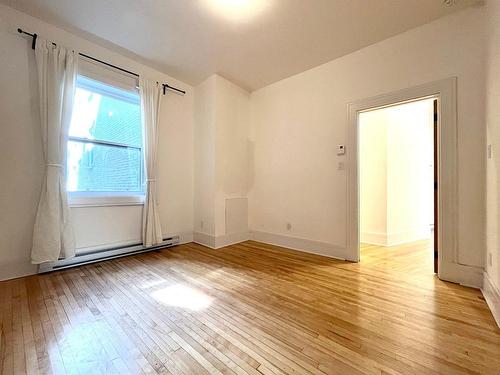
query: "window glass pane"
106, 113
102, 168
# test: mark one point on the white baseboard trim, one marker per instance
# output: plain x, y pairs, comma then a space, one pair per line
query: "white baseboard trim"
204, 239
231, 239
398, 238
492, 296
301, 244
184, 237
15, 270
214, 242
374, 238
295, 243
460, 274
417, 234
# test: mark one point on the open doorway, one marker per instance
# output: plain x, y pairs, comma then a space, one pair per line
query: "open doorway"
397, 158
446, 226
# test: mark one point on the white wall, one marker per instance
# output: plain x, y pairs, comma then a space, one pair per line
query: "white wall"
232, 122
204, 168
222, 157
21, 164
396, 173
493, 137
298, 121
373, 177
410, 172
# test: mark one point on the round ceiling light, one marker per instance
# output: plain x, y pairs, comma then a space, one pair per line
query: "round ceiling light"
237, 10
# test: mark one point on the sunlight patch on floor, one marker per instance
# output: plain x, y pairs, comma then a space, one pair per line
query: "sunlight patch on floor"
182, 296
150, 284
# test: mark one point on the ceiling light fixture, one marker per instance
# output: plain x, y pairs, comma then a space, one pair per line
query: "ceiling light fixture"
237, 10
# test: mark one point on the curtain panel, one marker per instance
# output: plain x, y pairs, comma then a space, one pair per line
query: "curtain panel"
53, 236
150, 110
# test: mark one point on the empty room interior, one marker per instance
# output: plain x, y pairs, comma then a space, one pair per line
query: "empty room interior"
250, 187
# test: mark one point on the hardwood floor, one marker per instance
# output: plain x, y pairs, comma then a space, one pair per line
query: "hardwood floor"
248, 308
416, 258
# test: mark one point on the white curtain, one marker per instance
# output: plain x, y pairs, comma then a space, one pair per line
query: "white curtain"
53, 235
150, 110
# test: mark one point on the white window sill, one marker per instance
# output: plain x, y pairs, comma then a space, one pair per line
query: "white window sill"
82, 199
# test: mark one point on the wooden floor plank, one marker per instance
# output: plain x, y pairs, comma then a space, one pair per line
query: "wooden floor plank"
249, 308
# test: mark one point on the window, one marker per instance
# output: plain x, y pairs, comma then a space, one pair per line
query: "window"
105, 142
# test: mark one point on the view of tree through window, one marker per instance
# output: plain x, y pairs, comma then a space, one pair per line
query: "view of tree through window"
105, 139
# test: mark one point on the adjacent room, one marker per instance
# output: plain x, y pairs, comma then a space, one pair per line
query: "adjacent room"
250, 187
397, 185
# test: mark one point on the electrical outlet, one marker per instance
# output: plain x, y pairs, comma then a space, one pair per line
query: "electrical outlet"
490, 259
340, 166
288, 226
201, 224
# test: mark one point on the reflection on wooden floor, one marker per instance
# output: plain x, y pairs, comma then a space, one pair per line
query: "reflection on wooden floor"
246, 309
411, 258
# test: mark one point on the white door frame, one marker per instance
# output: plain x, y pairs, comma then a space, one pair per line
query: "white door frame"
446, 92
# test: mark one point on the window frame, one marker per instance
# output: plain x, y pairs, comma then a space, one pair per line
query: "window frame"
106, 198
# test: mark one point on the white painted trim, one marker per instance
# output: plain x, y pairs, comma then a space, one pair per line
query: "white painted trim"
458, 273
12, 271
417, 234
295, 243
231, 239
204, 239
374, 238
492, 296
214, 242
97, 199
301, 244
397, 238
446, 92
184, 237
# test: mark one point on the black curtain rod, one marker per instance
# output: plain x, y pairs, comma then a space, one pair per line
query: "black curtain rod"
165, 85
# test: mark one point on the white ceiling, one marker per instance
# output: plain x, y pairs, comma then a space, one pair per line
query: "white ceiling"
268, 41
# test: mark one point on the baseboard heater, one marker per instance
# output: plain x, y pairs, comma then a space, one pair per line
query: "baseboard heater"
105, 254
